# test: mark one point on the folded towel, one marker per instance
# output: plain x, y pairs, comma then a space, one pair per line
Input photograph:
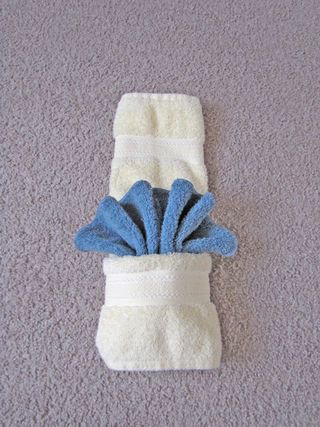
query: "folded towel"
152, 220
158, 138
157, 313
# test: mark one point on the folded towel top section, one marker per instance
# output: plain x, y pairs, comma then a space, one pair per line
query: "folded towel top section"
158, 138
162, 116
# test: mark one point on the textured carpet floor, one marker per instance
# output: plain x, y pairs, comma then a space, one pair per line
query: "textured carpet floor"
255, 67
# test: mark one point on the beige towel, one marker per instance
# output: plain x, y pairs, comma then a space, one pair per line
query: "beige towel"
157, 314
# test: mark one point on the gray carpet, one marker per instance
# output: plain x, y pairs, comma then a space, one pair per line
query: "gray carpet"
255, 67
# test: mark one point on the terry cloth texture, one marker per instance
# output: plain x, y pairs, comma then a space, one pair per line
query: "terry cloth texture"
254, 66
158, 314
180, 341
153, 220
158, 138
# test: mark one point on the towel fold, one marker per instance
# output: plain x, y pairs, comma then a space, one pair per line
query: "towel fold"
158, 138
157, 313
153, 220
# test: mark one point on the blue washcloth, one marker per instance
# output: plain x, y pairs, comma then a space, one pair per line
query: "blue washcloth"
156, 221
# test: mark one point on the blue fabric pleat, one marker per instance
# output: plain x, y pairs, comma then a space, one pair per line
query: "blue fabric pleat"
139, 203
180, 193
153, 220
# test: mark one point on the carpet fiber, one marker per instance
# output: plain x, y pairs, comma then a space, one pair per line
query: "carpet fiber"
255, 67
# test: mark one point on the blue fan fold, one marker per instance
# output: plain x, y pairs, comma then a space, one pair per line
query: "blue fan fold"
156, 221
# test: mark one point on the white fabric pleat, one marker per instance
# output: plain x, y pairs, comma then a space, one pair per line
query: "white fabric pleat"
160, 287
183, 149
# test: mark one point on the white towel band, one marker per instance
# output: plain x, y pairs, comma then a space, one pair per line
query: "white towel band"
187, 149
159, 287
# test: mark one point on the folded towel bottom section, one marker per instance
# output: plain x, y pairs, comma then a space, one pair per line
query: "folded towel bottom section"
158, 315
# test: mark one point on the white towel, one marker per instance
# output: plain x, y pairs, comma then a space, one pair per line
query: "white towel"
158, 138
157, 314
